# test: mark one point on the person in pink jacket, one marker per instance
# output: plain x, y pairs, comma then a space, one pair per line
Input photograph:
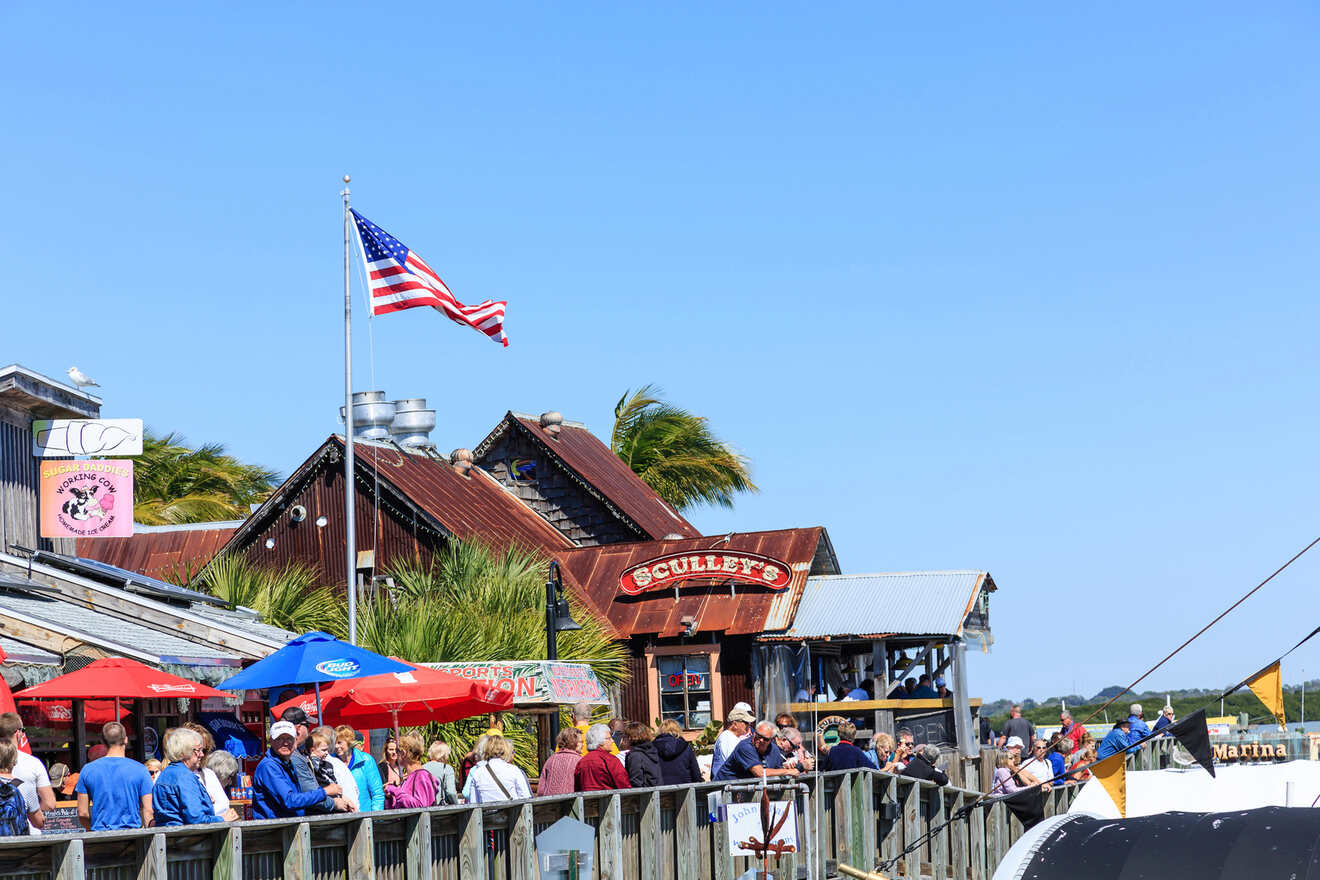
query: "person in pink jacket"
418, 786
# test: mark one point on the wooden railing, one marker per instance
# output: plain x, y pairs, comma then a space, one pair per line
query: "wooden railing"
858, 817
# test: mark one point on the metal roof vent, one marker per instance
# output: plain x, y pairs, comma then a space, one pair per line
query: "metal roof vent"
672, 536
461, 461
372, 415
413, 423
552, 422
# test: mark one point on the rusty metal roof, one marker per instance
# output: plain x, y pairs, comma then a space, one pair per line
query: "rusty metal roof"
165, 552
592, 573
602, 473
872, 605
475, 507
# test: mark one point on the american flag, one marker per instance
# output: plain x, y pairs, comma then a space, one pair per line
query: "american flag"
399, 279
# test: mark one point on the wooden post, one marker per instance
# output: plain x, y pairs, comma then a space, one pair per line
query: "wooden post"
472, 847
648, 836
66, 860
685, 836
816, 832
362, 849
227, 858
843, 819
417, 860
863, 820
578, 809
879, 683
989, 757
610, 837
298, 852
522, 846
151, 858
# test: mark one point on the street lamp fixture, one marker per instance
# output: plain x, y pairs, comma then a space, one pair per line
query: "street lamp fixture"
558, 619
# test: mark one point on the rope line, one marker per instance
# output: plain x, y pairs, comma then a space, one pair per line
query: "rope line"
1202, 630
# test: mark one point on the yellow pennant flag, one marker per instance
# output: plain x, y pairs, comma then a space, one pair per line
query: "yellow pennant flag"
1112, 773
1268, 685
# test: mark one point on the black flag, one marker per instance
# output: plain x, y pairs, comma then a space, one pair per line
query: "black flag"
1028, 805
1194, 736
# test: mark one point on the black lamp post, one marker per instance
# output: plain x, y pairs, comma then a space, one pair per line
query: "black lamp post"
557, 619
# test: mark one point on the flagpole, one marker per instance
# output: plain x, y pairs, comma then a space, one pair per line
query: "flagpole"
349, 537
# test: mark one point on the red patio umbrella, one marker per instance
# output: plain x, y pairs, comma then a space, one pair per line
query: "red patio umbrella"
60, 712
419, 696
7, 705
121, 679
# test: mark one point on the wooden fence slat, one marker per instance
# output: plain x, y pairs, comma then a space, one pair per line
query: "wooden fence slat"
417, 857
151, 856
815, 836
911, 806
298, 852
610, 837
958, 837
976, 844
227, 858
648, 837
939, 841
578, 810
522, 846
888, 831
863, 822
66, 860
361, 850
843, 819
472, 848
687, 849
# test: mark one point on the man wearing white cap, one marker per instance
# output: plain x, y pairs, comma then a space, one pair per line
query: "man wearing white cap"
275, 782
736, 728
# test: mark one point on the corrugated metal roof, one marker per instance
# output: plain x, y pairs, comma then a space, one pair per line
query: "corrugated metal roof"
164, 552
867, 605
603, 473
593, 574
110, 632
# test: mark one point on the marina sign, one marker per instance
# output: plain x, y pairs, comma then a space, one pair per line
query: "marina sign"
674, 568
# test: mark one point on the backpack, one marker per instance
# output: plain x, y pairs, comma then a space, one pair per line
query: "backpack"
13, 809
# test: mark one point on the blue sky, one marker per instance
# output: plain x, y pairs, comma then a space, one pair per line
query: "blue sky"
1027, 290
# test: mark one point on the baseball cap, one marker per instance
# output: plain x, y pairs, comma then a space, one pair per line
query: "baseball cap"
281, 728
741, 715
740, 706
1014, 741
940, 682
295, 715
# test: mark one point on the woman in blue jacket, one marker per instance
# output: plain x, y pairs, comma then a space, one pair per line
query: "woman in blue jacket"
364, 769
178, 797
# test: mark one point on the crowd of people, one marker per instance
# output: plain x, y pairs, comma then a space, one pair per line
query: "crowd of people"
310, 770
1067, 755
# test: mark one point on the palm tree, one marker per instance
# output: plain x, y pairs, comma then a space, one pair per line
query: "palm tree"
675, 453
289, 598
177, 484
474, 603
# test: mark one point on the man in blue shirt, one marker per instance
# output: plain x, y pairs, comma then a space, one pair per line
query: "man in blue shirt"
1115, 741
924, 690
1138, 729
1165, 719
114, 792
179, 798
276, 794
843, 755
756, 757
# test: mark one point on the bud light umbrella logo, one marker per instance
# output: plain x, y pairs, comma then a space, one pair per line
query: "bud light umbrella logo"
342, 668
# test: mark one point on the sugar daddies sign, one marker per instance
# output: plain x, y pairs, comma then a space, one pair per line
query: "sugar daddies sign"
87, 499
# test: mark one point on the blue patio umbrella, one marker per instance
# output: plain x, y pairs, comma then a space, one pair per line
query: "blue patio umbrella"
311, 659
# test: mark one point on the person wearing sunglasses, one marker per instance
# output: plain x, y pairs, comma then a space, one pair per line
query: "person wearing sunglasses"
756, 757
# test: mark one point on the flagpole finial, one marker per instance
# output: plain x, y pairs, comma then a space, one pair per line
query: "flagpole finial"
346, 178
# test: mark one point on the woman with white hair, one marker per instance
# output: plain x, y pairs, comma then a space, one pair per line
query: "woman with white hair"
178, 797
598, 770
493, 778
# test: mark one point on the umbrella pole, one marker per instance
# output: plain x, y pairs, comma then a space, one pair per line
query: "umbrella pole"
116, 708
317, 685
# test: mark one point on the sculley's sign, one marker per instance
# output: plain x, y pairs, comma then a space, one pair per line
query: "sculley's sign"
750, 568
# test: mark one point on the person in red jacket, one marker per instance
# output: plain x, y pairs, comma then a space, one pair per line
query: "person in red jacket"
598, 770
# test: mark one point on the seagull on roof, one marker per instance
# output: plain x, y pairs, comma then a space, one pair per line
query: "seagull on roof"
81, 379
